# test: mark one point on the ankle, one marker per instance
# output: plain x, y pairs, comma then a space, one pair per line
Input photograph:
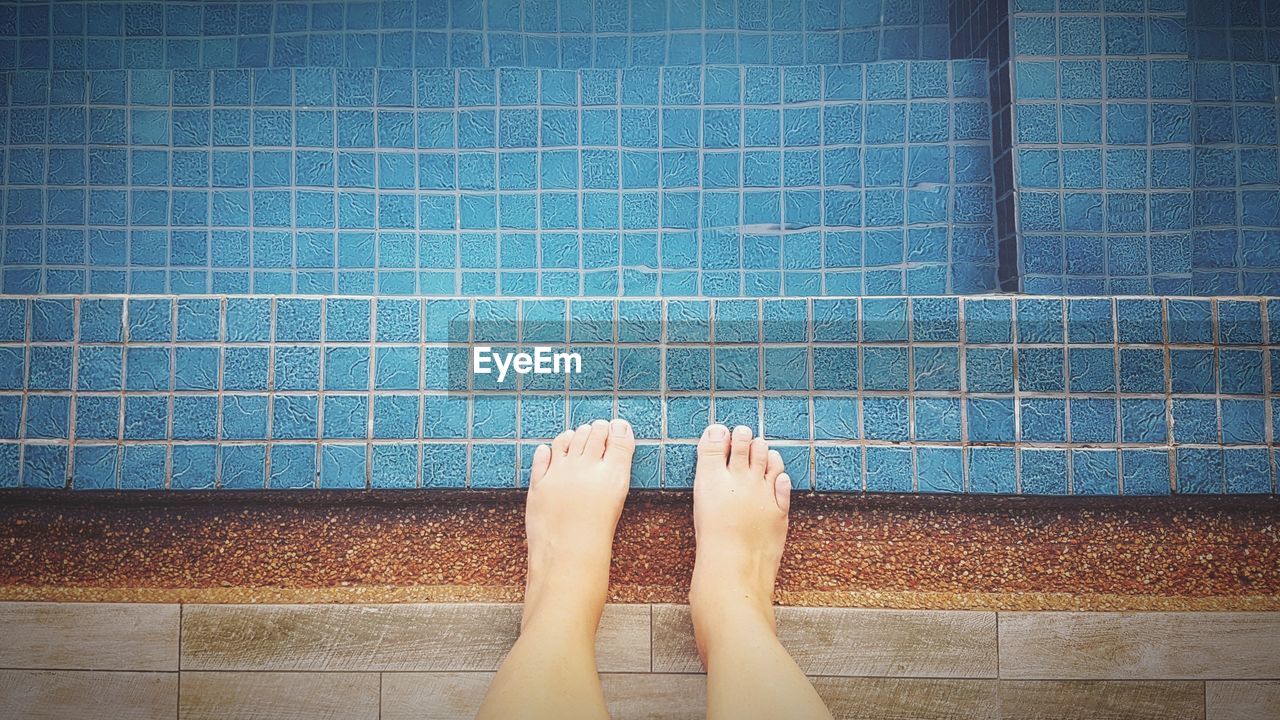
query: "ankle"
733, 579
566, 614
730, 626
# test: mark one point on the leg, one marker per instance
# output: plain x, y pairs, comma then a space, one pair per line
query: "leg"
576, 491
740, 503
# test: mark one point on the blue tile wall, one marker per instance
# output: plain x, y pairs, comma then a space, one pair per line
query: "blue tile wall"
993, 394
242, 243
191, 34
1244, 31
1146, 147
723, 181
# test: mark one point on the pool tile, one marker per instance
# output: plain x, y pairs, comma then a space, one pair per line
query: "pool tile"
1041, 370
992, 470
936, 368
1240, 371
938, 419
940, 469
1143, 421
1195, 421
1247, 471
989, 370
1142, 370
1146, 472
889, 469
493, 465
1095, 472
838, 468
1039, 320
884, 368
1043, 472
988, 321
786, 418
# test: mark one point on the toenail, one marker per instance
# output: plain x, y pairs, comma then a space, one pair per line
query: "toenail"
741, 432
620, 427
717, 432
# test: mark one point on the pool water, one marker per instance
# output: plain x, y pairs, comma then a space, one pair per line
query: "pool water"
921, 246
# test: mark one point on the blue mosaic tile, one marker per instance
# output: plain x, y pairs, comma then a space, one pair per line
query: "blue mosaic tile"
838, 468
889, 469
940, 469
1043, 472
1043, 420
1168, 72
1146, 472
1143, 420
200, 220
1247, 471
992, 470
264, 396
1095, 472
472, 159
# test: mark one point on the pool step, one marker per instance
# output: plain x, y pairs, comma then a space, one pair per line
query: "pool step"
979, 394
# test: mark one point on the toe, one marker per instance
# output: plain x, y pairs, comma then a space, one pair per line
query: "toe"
620, 446
596, 436
759, 456
713, 446
560, 446
579, 440
740, 450
773, 465
541, 461
782, 492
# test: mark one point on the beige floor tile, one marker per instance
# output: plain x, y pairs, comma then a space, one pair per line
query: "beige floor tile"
446, 637
658, 696
1100, 700
278, 696
89, 636
854, 642
1136, 646
631, 696
901, 698
433, 695
76, 695
1242, 700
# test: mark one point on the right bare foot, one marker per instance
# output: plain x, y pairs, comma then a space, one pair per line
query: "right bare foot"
740, 501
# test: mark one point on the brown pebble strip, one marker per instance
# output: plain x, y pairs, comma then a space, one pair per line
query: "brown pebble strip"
1181, 553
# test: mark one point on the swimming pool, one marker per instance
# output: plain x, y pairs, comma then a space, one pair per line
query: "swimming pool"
924, 247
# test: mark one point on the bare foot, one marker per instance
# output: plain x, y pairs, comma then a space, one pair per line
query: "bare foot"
576, 490
740, 501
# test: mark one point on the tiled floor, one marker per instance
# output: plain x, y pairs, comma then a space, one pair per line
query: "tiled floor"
434, 661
